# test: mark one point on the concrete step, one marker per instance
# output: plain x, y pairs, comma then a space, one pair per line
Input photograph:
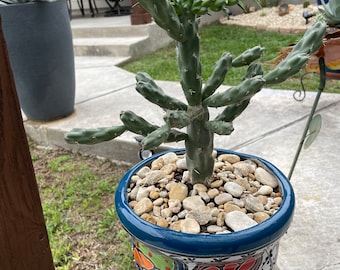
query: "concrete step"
104, 46
116, 37
110, 31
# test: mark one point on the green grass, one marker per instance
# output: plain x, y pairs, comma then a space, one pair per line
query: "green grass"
216, 39
77, 195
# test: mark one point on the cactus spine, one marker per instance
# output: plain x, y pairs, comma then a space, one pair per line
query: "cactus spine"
179, 18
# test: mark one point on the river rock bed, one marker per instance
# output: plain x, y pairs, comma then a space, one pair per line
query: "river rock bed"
241, 194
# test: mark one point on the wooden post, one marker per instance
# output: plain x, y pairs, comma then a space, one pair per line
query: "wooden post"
24, 242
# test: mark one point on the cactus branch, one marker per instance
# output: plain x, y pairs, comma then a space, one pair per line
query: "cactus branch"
136, 124
152, 92
244, 91
156, 138
93, 136
199, 146
223, 65
232, 111
188, 54
165, 16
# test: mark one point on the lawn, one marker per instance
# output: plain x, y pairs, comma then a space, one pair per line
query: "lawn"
216, 39
77, 193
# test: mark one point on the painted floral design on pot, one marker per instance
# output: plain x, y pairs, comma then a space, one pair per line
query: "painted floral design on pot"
149, 259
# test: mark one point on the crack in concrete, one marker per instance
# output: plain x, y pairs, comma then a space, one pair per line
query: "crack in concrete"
270, 132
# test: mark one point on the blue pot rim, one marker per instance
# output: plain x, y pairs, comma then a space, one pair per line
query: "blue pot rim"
240, 242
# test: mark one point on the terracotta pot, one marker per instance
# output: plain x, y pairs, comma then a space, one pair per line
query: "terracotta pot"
159, 248
330, 50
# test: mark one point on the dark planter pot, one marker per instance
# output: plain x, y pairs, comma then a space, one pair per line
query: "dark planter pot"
39, 41
139, 14
158, 248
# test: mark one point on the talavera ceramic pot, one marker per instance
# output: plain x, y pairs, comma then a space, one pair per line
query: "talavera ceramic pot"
158, 248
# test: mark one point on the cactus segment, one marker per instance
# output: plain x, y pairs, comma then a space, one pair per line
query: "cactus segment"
311, 40
166, 17
136, 124
232, 111
231, 2
248, 56
198, 8
199, 146
299, 56
220, 127
287, 68
176, 136
236, 94
92, 136
253, 70
222, 66
147, 87
156, 138
201, 7
190, 66
177, 119
216, 5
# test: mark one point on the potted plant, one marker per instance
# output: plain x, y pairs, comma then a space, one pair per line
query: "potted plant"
39, 40
330, 14
180, 207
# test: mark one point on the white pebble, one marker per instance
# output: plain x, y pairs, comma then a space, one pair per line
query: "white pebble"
204, 196
190, 225
193, 202
175, 205
223, 198
239, 221
214, 229
200, 188
178, 191
143, 206
170, 157
181, 164
183, 213
265, 190
143, 172
229, 158
166, 212
213, 192
234, 189
242, 169
202, 215
254, 204
153, 177
142, 193
265, 177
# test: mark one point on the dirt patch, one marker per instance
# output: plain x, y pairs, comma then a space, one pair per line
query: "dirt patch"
77, 194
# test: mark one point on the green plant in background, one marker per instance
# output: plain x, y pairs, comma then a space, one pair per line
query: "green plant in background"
305, 4
330, 12
180, 19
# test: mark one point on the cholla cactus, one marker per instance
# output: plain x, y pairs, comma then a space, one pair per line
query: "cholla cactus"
179, 18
